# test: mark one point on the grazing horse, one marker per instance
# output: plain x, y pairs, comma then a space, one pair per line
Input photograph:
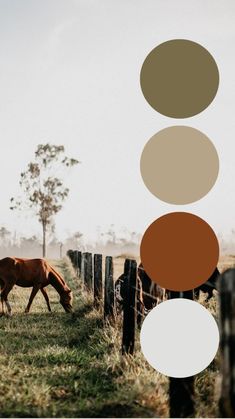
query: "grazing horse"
120, 292
209, 285
153, 293
35, 273
149, 293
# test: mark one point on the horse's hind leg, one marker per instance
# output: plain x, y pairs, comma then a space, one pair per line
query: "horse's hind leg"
45, 295
2, 302
4, 299
2, 306
8, 307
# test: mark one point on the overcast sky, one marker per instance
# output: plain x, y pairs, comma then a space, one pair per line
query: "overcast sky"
69, 75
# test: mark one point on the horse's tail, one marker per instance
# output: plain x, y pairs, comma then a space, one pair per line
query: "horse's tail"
6, 264
2, 286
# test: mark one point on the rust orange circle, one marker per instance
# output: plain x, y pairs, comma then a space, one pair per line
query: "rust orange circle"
179, 251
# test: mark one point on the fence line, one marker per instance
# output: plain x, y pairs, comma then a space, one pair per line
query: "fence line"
181, 390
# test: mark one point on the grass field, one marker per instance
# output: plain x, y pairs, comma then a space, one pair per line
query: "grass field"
69, 365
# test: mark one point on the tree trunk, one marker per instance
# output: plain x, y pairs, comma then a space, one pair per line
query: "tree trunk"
43, 240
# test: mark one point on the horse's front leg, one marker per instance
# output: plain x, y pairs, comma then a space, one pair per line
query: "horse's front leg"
32, 295
45, 295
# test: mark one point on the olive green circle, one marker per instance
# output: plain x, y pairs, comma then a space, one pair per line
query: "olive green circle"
179, 78
179, 165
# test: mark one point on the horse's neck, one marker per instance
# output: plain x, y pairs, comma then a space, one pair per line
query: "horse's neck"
57, 283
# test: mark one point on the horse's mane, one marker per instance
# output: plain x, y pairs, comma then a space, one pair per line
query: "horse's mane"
56, 274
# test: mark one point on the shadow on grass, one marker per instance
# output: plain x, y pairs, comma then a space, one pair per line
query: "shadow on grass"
24, 333
81, 311
117, 410
29, 334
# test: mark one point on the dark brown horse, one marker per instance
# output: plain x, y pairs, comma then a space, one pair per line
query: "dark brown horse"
35, 273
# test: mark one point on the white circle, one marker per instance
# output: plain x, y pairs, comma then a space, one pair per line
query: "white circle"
179, 338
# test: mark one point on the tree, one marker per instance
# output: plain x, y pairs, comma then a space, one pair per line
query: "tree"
44, 192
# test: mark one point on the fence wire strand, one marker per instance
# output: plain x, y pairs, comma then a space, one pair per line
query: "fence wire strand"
138, 312
146, 293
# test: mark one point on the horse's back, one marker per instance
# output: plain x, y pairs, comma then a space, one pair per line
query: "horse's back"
23, 271
30, 271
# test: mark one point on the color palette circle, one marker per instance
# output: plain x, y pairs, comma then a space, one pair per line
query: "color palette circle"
179, 338
179, 78
179, 251
179, 165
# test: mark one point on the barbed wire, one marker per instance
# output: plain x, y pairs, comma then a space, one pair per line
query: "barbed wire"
146, 293
137, 311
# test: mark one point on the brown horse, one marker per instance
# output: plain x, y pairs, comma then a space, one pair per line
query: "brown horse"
36, 273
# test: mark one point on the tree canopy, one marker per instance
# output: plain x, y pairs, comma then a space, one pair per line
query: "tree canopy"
43, 190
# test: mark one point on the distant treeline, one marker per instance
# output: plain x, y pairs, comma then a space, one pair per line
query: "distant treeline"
11, 244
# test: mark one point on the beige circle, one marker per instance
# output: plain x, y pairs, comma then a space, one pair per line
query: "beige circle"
179, 78
179, 165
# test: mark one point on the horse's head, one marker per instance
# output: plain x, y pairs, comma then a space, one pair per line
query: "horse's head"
66, 300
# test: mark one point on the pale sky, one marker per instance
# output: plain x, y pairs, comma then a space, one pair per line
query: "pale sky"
69, 75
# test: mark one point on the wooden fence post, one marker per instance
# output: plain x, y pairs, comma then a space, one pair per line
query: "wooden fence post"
74, 259
70, 254
98, 285
227, 343
77, 261
109, 304
87, 270
129, 306
82, 273
181, 390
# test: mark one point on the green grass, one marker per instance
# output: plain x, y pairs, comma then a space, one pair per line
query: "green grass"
69, 365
